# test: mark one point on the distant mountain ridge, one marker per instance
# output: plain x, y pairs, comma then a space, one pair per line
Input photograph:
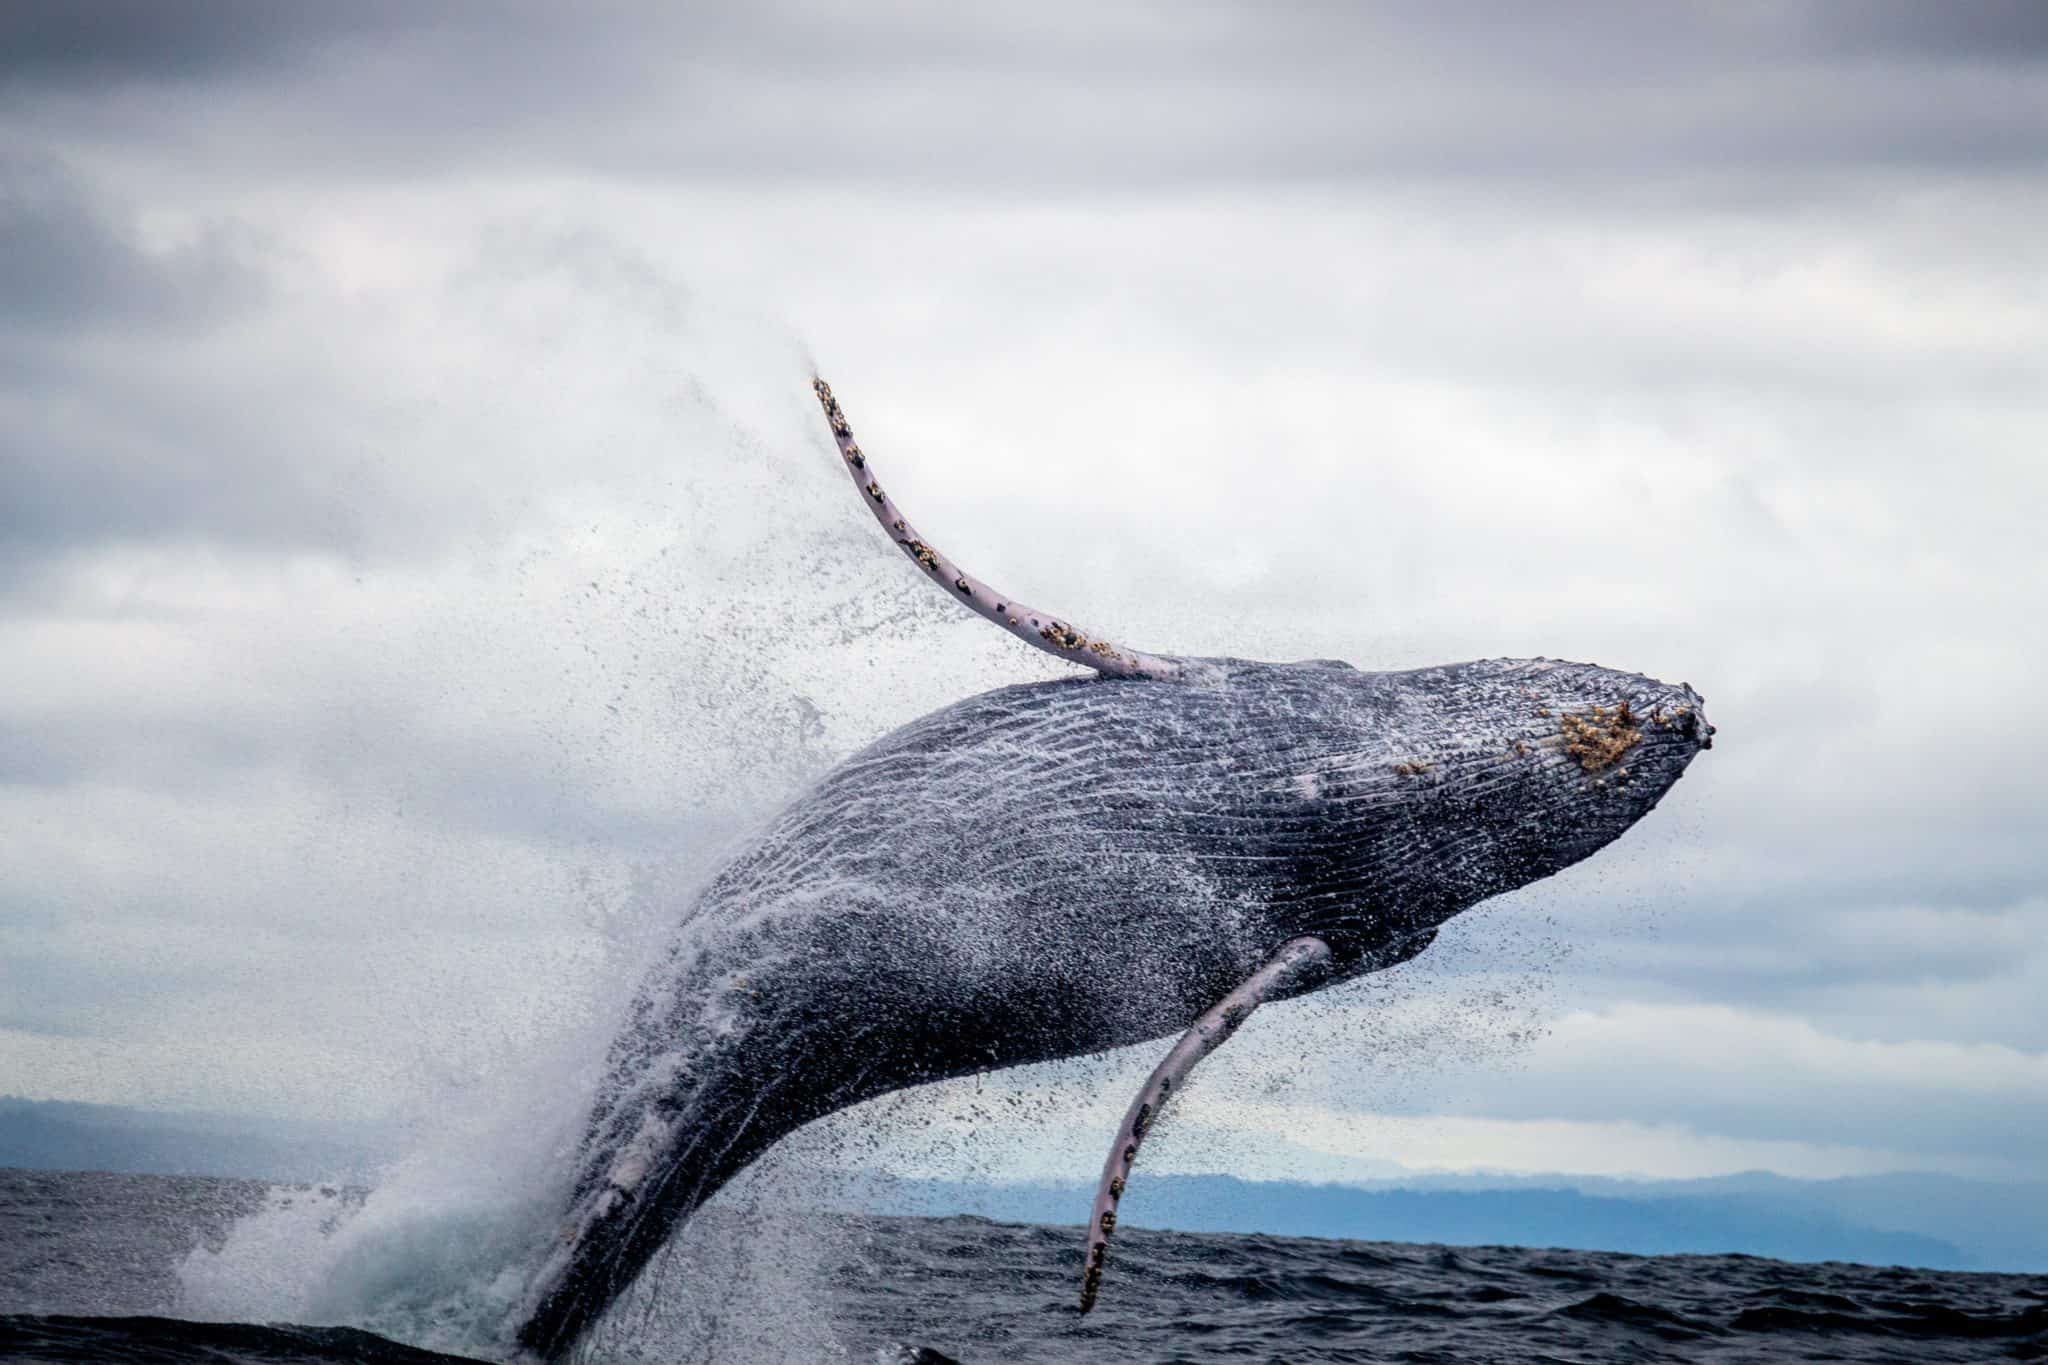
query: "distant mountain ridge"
1915, 1219
1658, 1224
49, 1135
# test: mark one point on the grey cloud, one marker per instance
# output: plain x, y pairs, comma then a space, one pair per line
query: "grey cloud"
99, 436
112, 38
31, 756
195, 395
1129, 96
123, 453
69, 258
66, 992
62, 41
354, 579
1774, 1095
1829, 958
1512, 1047
1997, 31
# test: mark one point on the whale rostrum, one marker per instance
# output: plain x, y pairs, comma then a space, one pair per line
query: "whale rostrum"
1154, 848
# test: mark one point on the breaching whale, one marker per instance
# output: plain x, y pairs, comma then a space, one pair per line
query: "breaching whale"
1059, 868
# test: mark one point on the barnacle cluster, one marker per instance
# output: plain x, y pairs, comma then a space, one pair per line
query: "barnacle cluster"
1599, 737
835, 417
1065, 637
1091, 1283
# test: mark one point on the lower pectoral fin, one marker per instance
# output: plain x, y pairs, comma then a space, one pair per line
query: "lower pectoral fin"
1299, 958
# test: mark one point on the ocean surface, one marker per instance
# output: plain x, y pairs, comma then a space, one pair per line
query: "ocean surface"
98, 1267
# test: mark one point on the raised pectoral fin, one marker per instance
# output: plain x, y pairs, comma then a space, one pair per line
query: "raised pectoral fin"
1298, 958
1041, 630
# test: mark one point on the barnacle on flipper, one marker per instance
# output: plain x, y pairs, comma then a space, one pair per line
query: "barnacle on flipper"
1065, 637
1598, 738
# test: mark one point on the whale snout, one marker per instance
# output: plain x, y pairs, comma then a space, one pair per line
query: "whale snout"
1676, 711
1701, 730
1623, 752
1609, 745
1696, 727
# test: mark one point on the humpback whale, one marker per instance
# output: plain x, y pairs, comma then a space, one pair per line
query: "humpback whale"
1153, 848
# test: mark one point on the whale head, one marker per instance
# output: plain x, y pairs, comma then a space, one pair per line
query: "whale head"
1425, 792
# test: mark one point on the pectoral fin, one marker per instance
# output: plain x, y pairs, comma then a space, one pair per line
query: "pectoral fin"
1298, 958
1041, 630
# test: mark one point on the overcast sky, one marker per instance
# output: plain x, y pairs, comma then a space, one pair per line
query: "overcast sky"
420, 553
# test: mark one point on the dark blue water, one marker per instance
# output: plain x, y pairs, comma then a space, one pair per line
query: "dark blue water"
88, 1272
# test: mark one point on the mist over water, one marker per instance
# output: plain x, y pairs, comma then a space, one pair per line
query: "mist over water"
646, 661
654, 656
